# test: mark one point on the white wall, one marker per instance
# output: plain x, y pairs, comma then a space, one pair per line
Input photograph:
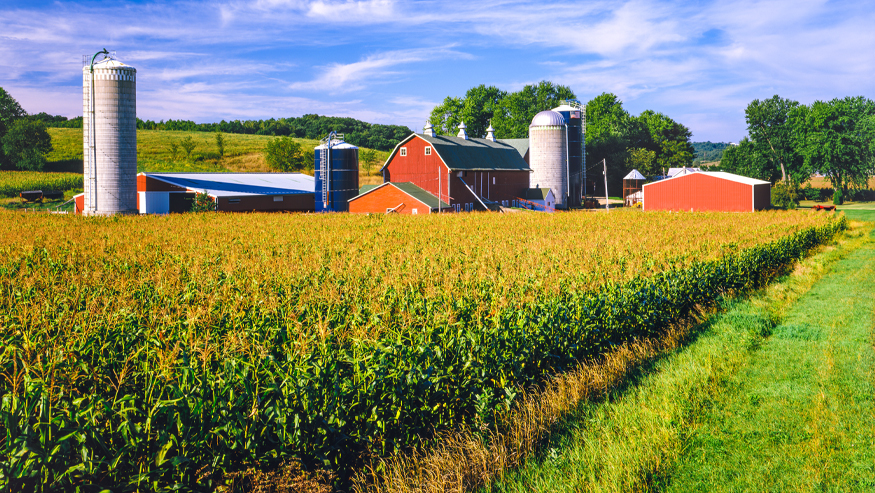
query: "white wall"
154, 202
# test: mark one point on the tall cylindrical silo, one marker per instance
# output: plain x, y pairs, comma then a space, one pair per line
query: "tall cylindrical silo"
342, 173
109, 129
548, 152
572, 114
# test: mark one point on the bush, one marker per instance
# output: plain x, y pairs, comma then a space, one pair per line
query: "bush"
187, 145
784, 196
26, 144
220, 143
837, 198
203, 203
285, 154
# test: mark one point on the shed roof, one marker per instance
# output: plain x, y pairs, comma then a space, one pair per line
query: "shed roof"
634, 175
240, 184
716, 174
414, 191
367, 188
536, 193
471, 154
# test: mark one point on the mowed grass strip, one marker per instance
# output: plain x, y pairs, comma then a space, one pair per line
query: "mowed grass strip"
801, 414
635, 438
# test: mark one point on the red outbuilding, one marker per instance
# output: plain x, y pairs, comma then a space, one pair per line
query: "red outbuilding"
469, 174
707, 191
400, 198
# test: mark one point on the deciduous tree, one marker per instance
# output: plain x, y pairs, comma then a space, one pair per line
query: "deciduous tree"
26, 144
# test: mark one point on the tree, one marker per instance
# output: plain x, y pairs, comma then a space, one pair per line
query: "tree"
220, 143
644, 160
368, 157
837, 138
771, 130
512, 118
445, 117
746, 160
26, 144
669, 139
10, 111
187, 145
285, 154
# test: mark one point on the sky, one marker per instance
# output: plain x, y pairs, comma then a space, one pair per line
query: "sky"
391, 62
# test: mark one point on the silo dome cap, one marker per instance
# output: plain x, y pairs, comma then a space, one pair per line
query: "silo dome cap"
547, 118
108, 63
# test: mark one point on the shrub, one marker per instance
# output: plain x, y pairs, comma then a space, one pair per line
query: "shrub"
285, 154
837, 198
784, 196
203, 203
220, 143
187, 145
26, 144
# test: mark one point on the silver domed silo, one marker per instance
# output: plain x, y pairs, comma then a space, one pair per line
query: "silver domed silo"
572, 111
548, 155
109, 134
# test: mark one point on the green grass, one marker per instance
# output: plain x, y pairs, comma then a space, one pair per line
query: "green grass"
14, 182
669, 429
800, 416
243, 153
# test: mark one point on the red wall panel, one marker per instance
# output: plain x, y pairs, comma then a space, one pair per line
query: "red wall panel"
698, 192
387, 197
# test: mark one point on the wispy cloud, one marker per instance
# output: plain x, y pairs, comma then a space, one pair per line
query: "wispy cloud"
354, 76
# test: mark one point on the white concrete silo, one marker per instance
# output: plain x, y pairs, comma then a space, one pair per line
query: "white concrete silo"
548, 155
109, 129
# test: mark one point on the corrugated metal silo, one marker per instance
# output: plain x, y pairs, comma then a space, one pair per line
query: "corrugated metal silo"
573, 114
548, 152
109, 129
339, 163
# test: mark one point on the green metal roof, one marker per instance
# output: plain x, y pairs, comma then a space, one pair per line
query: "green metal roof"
536, 193
419, 194
471, 154
367, 188
521, 145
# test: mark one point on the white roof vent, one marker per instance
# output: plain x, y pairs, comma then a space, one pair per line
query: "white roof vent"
462, 133
490, 133
428, 130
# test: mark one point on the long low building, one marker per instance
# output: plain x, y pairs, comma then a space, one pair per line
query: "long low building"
164, 193
707, 191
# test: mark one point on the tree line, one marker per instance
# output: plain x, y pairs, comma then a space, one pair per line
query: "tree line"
788, 142
651, 142
24, 141
356, 132
709, 152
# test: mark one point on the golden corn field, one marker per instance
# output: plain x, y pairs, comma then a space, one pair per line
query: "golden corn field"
149, 353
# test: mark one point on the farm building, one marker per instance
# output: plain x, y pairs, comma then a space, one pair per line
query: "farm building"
163, 193
467, 173
540, 199
707, 191
401, 198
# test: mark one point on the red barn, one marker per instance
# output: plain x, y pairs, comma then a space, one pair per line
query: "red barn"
707, 191
469, 174
401, 198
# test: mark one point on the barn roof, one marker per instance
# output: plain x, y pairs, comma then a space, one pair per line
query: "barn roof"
521, 145
240, 184
414, 191
471, 154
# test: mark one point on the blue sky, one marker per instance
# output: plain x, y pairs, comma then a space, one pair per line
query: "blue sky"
388, 61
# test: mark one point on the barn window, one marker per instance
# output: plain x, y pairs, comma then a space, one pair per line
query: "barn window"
403, 151
493, 180
414, 211
428, 150
278, 199
233, 201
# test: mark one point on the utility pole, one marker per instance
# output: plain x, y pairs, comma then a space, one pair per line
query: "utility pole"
605, 164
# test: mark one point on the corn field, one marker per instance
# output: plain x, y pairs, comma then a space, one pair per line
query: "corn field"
153, 353
13, 182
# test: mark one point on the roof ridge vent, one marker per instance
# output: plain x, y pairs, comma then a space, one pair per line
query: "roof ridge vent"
462, 133
490, 132
428, 130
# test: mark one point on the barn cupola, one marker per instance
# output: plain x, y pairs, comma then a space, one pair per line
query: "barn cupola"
462, 133
428, 130
490, 133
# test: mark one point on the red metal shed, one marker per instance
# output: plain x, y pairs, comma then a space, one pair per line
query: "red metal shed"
401, 198
708, 191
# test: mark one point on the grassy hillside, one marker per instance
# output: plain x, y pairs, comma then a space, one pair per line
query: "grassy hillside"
243, 153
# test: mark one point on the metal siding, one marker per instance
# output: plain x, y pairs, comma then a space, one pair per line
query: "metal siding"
386, 197
698, 192
344, 179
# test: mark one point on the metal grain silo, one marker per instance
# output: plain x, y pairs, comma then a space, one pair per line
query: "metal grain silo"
573, 114
109, 133
548, 153
337, 174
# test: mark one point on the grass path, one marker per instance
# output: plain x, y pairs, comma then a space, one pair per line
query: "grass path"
800, 416
691, 423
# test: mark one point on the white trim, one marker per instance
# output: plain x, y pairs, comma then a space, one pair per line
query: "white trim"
403, 152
